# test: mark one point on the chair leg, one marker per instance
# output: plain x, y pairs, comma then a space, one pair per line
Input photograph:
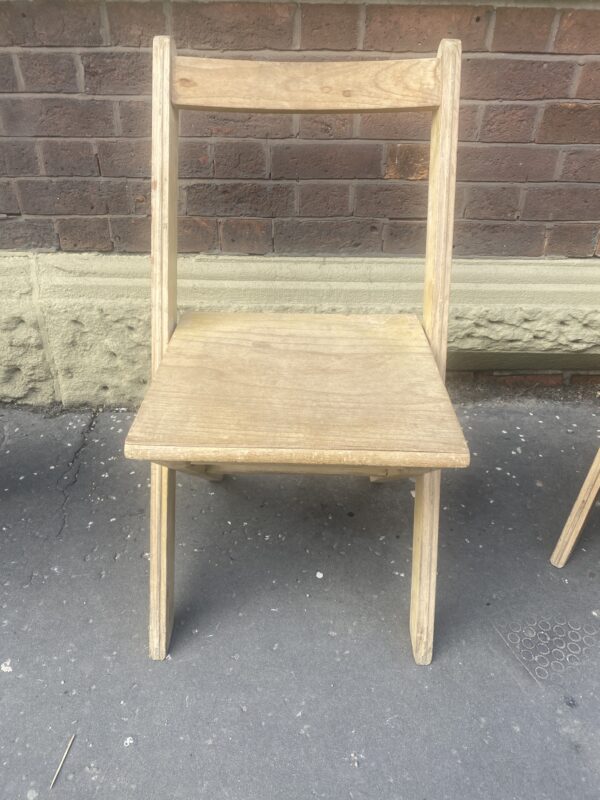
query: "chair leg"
574, 524
424, 565
162, 551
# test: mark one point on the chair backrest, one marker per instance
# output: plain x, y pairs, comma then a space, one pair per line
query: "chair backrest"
181, 82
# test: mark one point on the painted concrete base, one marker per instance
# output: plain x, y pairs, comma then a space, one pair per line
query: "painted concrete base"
74, 329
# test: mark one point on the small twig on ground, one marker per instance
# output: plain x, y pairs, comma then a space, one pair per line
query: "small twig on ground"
62, 761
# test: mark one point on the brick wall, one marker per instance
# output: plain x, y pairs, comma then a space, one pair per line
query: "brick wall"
75, 125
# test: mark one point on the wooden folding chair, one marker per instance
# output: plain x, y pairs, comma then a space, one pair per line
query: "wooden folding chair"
300, 393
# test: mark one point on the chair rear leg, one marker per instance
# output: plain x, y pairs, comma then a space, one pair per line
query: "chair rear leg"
162, 551
581, 509
424, 565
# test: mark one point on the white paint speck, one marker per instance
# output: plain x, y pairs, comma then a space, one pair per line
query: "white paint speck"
128, 741
5, 666
318, 575
32, 794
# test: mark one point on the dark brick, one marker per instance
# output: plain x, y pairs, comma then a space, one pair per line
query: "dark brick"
585, 379
516, 380
578, 32
581, 165
234, 26
131, 234
135, 24
306, 160
589, 82
397, 201
8, 198
8, 80
135, 117
27, 234
420, 28
515, 79
407, 162
197, 235
325, 126
562, 202
504, 163
508, 123
18, 158
414, 125
70, 196
129, 158
329, 27
139, 195
48, 72
194, 160
573, 123
56, 116
250, 236
522, 30
240, 199
324, 200
240, 159
406, 238
63, 157
498, 239
50, 23
117, 73
492, 202
338, 236
236, 124
572, 240
84, 234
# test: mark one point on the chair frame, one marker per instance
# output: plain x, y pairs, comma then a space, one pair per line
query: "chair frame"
220, 84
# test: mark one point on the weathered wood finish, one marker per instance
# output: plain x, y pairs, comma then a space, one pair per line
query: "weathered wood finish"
577, 517
220, 84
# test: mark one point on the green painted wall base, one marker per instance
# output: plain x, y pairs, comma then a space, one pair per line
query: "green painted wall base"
74, 329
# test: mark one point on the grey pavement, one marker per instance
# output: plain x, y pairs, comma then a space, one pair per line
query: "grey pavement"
291, 675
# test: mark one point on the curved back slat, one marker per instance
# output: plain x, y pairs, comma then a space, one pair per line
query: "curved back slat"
324, 86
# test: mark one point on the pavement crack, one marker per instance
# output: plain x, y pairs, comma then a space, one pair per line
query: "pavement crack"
71, 473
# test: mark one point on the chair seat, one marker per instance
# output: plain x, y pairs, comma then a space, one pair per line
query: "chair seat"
298, 389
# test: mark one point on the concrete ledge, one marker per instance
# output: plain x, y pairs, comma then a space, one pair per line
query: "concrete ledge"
74, 329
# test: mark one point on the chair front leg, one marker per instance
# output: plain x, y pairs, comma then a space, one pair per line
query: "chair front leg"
424, 565
162, 553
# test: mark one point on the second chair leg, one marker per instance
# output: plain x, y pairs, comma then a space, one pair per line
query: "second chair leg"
585, 500
162, 552
424, 565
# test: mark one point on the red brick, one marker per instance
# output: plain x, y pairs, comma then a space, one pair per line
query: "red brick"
505, 163
135, 24
324, 200
194, 160
308, 160
50, 23
589, 82
420, 28
562, 202
573, 123
249, 236
18, 157
131, 234
582, 165
48, 72
585, 379
56, 116
578, 32
8, 199
240, 199
508, 123
329, 27
117, 73
515, 79
407, 162
522, 30
8, 80
325, 126
516, 380
338, 236
70, 196
572, 240
414, 125
406, 238
240, 159
197, 235
234, 26
129, 158
501, 239
27, 234
135, 117
84, 234
492, 202
237, 124
63, 157
392, 201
